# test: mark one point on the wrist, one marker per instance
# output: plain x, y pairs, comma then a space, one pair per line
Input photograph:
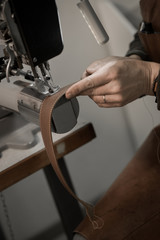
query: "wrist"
134, 56
155, 70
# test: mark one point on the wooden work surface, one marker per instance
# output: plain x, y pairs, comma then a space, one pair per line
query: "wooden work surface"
18, 164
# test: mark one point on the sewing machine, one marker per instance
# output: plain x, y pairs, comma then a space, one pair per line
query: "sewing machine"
30, 35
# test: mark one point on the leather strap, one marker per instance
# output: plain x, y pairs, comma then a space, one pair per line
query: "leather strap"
47, 107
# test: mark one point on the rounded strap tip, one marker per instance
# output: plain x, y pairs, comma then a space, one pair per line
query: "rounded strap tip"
97, 223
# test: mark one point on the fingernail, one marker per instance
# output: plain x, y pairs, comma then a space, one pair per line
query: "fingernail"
68, 95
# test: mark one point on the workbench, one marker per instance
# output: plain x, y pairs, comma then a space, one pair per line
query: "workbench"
22, 154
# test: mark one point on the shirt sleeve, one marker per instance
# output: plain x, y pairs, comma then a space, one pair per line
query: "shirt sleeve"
137, 48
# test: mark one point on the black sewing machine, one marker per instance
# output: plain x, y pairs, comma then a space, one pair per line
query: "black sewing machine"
30, 35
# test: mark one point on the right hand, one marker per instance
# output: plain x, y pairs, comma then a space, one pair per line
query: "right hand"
116, 81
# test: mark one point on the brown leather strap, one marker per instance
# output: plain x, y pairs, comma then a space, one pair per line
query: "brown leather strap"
45, 124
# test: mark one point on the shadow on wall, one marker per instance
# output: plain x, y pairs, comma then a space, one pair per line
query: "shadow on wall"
131, 11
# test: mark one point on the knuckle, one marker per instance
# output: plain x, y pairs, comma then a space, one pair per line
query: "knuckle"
89, 83
104, 105
121, 100
116, 87
77, 90
100, 105
118, 105
117, 68
91, 92
93, 98
122, 103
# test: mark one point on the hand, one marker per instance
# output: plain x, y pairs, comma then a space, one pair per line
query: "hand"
116, 81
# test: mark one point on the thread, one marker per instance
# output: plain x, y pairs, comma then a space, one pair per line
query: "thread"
97, 223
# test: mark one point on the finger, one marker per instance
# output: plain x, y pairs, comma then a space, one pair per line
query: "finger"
109, 99
85, 74
79, 87
89, 82
98, 78
110, 105
105, 102
106, 89
93, 67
